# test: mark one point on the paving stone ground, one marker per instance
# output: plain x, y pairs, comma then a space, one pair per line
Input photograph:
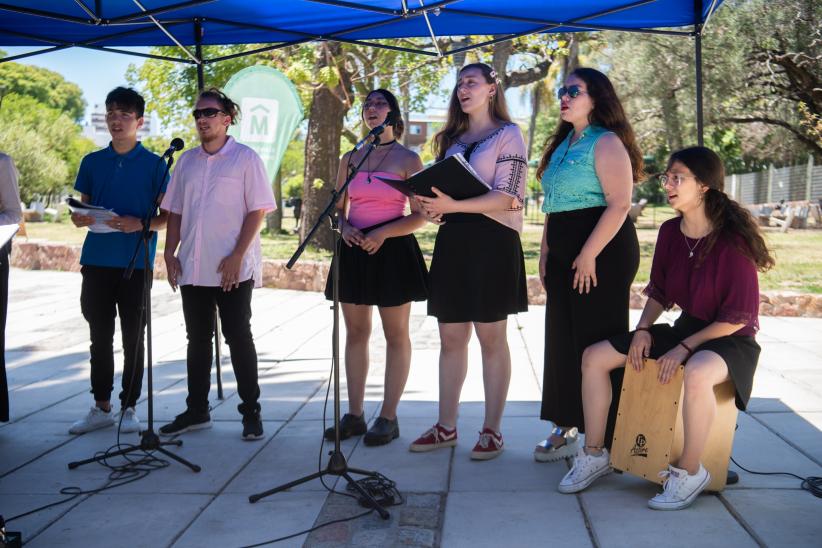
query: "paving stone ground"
449, 500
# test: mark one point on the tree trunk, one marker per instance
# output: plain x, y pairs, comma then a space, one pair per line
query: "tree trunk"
670, 116
274, 221
536, 105
571, 61
322, 153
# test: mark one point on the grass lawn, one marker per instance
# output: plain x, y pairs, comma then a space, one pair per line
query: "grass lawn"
798, 252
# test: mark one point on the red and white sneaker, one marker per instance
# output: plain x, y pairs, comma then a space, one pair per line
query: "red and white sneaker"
434, 438
489, 446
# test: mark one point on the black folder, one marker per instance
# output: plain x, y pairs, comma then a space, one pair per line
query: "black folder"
452, 176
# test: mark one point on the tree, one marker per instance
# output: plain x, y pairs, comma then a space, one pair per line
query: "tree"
47, 87
45, 143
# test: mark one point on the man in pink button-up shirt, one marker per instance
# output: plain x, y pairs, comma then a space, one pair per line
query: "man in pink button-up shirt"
217, 199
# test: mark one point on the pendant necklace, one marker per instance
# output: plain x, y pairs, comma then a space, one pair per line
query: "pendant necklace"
691, 249
388, 144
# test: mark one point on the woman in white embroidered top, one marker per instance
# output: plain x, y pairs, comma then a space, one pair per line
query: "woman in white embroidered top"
477, 275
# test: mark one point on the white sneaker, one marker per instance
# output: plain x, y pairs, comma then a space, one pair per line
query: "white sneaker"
96, 419
585, 470
680, 488
130, 422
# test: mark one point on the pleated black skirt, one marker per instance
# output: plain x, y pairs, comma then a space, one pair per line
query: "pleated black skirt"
573, 321
740, 353
477, 272
396, 274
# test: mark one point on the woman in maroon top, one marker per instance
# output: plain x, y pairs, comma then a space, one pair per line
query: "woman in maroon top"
706, 262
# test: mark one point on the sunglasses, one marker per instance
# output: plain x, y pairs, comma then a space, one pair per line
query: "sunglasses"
674, 179
572, 91
207, 112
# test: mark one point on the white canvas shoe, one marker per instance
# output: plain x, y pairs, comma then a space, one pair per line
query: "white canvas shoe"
585, 470
96, 419
130, 422
680, 488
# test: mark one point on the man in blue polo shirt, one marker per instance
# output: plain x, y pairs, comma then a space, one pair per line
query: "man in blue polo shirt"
122, 177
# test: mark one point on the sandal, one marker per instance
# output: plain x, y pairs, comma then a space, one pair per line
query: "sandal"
546, 451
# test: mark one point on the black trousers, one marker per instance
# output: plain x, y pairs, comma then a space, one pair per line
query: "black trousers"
5, 251
199, 307
574, 321
105, 294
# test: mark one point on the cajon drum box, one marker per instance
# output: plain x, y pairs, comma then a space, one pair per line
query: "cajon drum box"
648, 434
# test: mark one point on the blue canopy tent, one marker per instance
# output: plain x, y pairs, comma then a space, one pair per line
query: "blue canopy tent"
110, 25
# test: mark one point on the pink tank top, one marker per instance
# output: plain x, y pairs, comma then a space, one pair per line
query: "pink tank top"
374, 202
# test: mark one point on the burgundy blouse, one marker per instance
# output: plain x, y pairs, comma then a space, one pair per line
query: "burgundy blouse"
723, 288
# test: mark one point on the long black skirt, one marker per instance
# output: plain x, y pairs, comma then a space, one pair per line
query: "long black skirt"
5, 251
396, 274
740, 353
574, 321
477, 272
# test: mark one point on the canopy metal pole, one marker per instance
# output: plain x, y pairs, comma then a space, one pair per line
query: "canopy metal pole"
700, 129
198, 52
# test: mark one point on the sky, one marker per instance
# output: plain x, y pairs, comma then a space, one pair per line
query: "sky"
98, 72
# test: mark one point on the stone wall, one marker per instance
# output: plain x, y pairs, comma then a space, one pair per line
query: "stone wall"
311, 275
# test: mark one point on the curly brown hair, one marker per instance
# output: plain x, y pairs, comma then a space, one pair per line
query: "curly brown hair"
608, 113
229, 107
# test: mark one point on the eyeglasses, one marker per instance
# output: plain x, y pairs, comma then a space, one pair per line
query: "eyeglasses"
207, 112
375, 104
572, 91
674, 179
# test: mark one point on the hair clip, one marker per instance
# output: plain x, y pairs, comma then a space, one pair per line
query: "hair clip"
493, 73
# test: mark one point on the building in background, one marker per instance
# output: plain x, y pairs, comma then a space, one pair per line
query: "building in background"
96, 129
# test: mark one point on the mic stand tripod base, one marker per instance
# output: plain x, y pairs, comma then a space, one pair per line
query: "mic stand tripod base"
149, 441
337, 466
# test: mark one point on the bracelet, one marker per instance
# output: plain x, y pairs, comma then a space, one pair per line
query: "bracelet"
686, 347
648, 329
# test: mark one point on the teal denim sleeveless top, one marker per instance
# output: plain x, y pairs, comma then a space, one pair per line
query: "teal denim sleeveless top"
570, 181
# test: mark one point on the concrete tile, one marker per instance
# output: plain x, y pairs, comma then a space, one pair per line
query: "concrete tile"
758, 449
803, 429
512, 519
141, 521
621, 518
230, 520
780, 517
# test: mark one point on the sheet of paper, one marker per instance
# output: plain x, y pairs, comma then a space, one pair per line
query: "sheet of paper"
100, 215
7, 232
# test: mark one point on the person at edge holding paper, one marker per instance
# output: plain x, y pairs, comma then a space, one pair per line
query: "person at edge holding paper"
380, 265
589, 252
217, 200
706, 261
477, 273
122, 177
10, 214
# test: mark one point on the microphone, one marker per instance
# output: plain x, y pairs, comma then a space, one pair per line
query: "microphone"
176, 144
389, 119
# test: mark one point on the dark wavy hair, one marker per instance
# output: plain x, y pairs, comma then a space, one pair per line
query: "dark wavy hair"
228, 106
727, 217
397, 122
608, 113
457, 121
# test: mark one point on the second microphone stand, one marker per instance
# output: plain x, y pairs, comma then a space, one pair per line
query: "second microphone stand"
149, 440
337, 464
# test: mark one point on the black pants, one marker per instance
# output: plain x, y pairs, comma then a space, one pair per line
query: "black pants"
199, 304
5, 251
573, 321
105, 294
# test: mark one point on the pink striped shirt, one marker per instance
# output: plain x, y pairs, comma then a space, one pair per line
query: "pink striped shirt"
214, 193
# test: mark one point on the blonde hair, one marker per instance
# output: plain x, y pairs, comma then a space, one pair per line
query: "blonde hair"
457, 122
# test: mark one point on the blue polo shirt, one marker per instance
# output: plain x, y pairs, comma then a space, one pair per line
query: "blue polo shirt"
126, 184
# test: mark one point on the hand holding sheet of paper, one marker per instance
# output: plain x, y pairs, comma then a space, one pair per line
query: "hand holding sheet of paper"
94, 217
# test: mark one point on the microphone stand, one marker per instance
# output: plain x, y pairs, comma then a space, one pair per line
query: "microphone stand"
337, 464
149, 440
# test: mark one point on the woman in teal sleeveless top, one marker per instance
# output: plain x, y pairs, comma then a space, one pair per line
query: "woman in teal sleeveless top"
589, 253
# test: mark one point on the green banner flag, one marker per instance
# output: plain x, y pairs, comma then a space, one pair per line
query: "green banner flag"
271, 111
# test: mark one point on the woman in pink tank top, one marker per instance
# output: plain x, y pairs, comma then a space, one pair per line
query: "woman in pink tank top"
380, 265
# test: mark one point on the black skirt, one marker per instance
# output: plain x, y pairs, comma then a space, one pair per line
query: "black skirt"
740, 353
574, 321
5, 251
396, 274
477, 272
